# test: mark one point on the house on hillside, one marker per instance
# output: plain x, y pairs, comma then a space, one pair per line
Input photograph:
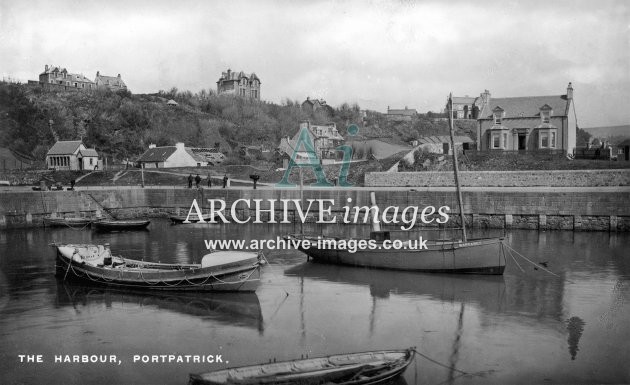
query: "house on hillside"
467, 107
71, 155
312, 105
401, 115
239, 84
58, 78
114, 83
179, 156
528, 123
325, 139
13, 160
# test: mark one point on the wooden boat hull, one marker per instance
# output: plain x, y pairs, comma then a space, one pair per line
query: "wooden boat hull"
177, 219
376, 367
120, 225
67, 222
134, 274
479, 256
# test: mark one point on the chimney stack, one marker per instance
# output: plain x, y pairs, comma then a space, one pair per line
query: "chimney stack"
570, 91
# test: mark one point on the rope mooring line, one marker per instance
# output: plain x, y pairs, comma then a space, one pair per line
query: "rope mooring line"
515, 261
439, 363
537, 265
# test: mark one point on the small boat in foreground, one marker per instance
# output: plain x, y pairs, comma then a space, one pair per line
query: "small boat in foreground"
120, 225
177, 219
67, 222
376, 367
218, 271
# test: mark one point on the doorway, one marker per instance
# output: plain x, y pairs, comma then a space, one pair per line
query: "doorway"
522, 142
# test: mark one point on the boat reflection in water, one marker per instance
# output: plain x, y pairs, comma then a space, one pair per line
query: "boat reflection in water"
228, 308
485, 289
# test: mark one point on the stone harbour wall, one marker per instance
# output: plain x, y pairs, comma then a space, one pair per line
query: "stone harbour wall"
604, 209
548, 178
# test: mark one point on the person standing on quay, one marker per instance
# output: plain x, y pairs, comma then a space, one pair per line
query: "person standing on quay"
209, 181
225, 180
197, 180
190, 179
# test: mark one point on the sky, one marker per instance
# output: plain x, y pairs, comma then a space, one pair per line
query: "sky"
374, 53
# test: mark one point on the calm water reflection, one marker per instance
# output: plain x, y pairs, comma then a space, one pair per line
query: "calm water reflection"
524, 327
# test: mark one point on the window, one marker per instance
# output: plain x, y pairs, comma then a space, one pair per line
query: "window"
497, 119
547, 139
545, 117
496, 140
544, 140
91, 161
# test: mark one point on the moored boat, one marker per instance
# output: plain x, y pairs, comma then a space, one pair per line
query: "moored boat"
376, 367
474, 256
218, 271
120, 224
69, 222
176, 219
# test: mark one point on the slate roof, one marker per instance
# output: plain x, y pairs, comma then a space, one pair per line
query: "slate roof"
89, 152
157, 154
64, 147
439, 139
526, 106
463, 100
113, 81
233, 75
406, 111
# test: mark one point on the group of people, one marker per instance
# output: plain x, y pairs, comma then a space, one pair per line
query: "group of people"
197, 180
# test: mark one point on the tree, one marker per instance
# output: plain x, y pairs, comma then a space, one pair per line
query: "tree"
582, 138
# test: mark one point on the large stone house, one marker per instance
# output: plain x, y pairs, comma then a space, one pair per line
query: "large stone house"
467, 107
531, 123
59, 79
114, 83
239, 84
71, 155
179, 156
312, 105
398, 115
324, 138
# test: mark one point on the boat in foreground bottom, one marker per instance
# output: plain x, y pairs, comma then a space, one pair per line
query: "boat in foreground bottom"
376, 367
475, 256
218, 271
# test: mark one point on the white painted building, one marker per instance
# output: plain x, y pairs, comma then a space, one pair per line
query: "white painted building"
179, 156
71, 155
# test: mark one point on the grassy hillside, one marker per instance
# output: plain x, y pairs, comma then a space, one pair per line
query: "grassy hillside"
122, 125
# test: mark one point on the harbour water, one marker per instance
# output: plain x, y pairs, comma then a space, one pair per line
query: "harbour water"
524, 327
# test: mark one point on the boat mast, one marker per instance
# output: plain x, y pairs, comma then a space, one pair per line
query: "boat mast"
301, 200
455, 167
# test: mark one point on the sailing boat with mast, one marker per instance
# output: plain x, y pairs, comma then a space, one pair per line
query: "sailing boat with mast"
459, 255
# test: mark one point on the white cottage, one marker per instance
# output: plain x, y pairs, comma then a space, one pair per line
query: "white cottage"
71, 155
179, 156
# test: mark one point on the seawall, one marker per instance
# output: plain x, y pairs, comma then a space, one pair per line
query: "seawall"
563, 208
543, 178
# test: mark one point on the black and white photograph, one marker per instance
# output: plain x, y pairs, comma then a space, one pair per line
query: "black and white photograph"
318, 192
